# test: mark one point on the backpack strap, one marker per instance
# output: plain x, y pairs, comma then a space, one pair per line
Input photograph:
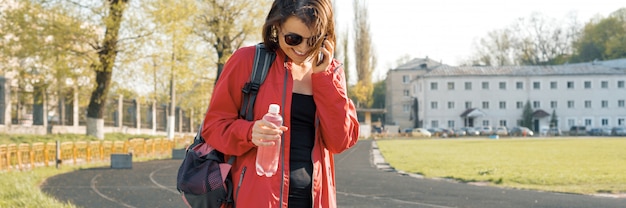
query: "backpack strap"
263, 59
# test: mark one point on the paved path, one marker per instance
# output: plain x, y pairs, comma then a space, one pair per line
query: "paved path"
359, 184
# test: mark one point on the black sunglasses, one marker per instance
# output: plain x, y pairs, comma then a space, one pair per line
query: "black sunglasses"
293, 39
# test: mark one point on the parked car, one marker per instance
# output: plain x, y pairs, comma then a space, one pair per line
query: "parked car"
486, 130
618, 131
420, 132
599, 132
471, 131
447, 133
459, 132
501, 131
435, 131
554, 131
521, 131
578, 131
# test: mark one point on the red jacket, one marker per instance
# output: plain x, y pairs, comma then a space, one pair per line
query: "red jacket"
336, 131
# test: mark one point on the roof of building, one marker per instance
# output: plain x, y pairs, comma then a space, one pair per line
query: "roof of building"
540, 114
420, 63
611, 67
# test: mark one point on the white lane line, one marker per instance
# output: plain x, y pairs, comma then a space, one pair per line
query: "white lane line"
392, 199
93, 187
160, 185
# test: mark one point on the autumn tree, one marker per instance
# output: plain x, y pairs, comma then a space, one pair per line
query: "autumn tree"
175, 26
42, 51
227, 25
364, 55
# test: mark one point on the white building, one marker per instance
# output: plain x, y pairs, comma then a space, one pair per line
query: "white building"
425, 93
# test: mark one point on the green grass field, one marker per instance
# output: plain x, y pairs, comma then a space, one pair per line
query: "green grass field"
572, 165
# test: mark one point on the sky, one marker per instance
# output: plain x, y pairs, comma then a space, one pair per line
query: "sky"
444, 30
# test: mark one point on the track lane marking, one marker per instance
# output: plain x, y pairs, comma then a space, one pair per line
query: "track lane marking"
151, 176
93, 187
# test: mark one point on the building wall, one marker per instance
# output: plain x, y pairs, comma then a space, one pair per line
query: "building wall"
435, 110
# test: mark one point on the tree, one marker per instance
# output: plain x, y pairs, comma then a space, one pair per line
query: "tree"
553, 120
44, 49
527, 116
536, 40
378, 96
364, 53
226, 25
602, 40
175, 20
103, 67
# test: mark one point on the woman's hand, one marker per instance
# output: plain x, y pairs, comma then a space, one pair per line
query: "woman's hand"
328, 49
265, 133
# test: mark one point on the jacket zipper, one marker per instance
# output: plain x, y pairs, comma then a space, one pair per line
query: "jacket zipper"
282, 149
243, 172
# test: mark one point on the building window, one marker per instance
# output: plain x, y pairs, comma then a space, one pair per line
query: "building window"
485, 85
620, 121
434, 124
434, 105
605, 104
620, 103
587, 84
605, 121
552, 104
450, 124
502, 122
536, 104
604, 84
406, 108
468, 86
570, 104
450, 85
433, 86
620, 84
570, 85
519, 85
502, 85
468, 104
536, 85
587, 103
450, 105
406, 79
519, 104
571, 122
502, 104
485, 122
485, 104
406, 93
553, 85
587, 122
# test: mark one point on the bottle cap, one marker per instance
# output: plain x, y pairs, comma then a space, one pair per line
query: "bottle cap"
274, 108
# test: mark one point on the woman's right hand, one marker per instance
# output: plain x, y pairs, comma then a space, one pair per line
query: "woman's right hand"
264, 133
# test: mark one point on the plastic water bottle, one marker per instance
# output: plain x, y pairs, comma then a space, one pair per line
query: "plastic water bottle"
267, 156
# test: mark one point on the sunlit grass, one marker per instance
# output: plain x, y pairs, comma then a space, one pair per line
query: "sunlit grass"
22, 188
571, 165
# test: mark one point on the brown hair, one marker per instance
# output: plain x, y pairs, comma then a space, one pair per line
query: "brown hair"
316, 14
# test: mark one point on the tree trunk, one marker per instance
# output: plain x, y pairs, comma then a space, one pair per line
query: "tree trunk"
104, 70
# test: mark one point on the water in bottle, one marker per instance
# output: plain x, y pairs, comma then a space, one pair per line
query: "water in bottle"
267, 156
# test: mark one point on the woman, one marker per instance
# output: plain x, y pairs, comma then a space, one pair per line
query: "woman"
319, 119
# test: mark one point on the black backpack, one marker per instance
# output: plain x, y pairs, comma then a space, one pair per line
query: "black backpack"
203, 177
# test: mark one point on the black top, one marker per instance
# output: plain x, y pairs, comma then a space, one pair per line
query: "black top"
302, 127
302, 141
